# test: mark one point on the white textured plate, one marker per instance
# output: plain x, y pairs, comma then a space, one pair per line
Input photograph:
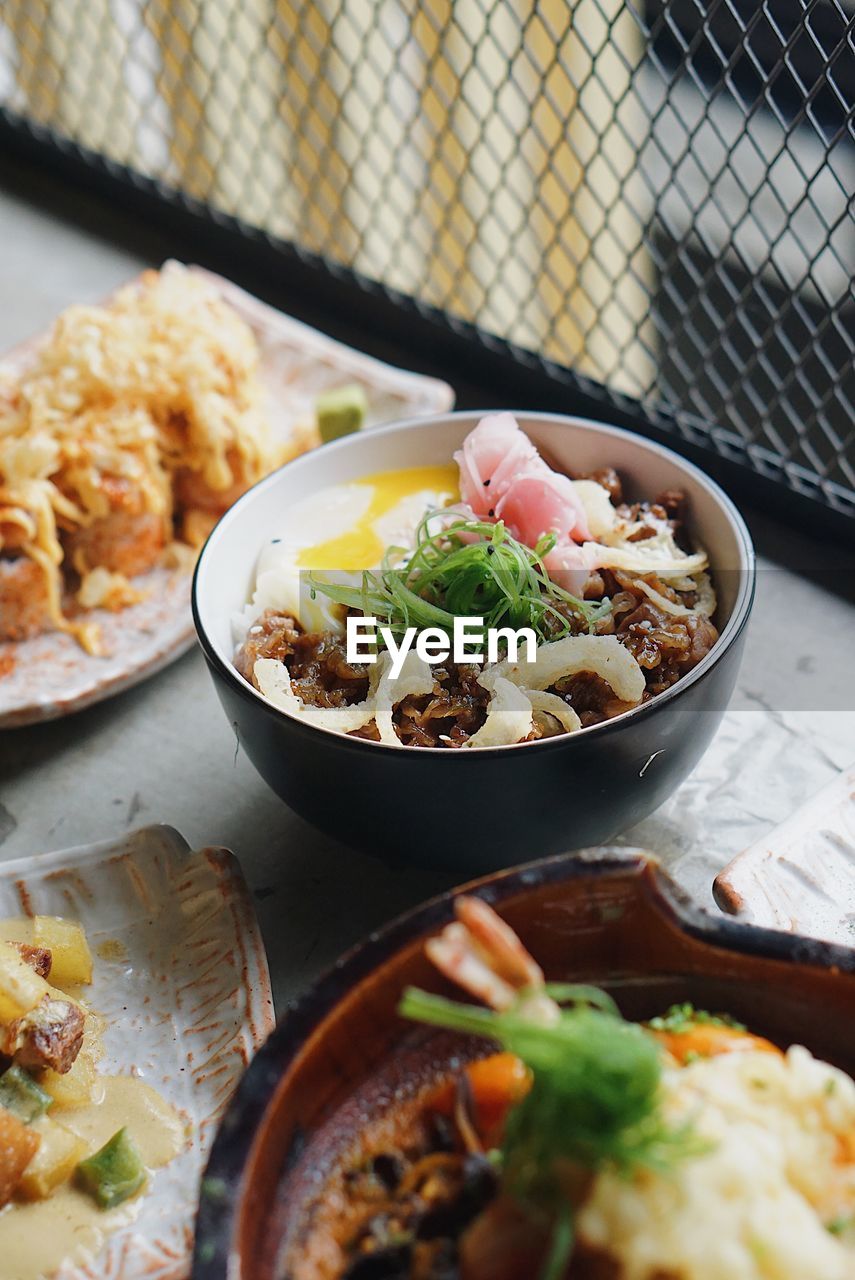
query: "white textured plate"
51, 676
801, 877
185, 1009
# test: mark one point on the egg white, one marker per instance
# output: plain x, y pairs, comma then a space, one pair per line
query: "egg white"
316, 520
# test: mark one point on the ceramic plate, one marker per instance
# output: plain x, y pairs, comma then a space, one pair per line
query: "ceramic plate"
51, 676
801, 877
186, 1002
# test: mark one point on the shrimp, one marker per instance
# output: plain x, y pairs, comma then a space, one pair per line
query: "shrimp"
482, 954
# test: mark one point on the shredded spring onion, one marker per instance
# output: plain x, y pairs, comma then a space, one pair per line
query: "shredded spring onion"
468, 569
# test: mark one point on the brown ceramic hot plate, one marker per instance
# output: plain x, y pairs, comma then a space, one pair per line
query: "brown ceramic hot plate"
341, 1055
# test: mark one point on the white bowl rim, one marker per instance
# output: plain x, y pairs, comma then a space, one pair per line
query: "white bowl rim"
735, 623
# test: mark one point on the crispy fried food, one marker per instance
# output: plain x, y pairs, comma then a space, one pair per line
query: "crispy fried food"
128, 538
192, 490
38, 958
24, 598
121, 542
39, 1026
48, 1036
18, 1145
160, 382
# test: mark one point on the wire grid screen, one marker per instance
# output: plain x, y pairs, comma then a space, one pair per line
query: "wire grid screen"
659, 197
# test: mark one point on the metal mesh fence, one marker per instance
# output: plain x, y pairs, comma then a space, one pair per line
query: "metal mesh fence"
659, 195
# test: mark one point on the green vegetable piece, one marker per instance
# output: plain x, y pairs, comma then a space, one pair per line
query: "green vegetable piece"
561, 1246
596, 1088
681, 1018
341, 411
594, 1101
470, 569
113, 1174
20, 1094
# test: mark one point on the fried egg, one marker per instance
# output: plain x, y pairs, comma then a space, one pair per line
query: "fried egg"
342, 530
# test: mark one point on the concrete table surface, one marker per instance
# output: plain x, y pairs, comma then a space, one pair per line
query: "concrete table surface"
164, 752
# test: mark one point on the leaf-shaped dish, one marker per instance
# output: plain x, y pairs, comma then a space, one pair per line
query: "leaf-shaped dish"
50, 675
181, 981
801, 876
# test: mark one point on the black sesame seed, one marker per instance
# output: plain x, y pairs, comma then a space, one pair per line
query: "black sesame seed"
389, 1168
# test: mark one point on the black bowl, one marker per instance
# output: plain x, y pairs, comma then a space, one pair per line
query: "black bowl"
482, 809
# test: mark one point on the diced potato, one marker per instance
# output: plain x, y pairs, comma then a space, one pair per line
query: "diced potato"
57, 1157
21, 988
18, 1144
71, 959
19, 929
78, 1086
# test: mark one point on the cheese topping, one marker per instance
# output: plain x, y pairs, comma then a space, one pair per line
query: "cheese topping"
122, 396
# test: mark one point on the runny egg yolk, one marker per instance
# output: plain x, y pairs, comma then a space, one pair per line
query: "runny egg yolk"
363, 545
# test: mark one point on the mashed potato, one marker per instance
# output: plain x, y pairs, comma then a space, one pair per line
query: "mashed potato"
772, 1199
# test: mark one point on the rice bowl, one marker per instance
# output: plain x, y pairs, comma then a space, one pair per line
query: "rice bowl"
612, 600
562, 790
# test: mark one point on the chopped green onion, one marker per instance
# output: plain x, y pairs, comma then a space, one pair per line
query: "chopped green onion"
594, 1102
596, 1082
469, 569
683, 1017
561, 1246
581, 993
